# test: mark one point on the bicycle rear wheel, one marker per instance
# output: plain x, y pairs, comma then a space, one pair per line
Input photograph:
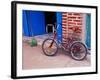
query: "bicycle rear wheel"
49, 47
78, 51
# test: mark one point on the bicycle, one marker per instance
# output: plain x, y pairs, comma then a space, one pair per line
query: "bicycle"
76, 48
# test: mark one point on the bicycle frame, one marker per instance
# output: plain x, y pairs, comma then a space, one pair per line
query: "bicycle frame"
59, 43
72, 45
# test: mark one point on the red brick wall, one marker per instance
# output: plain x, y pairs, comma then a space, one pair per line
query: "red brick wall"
70, 22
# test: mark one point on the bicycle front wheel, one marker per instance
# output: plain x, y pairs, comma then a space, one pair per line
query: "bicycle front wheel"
78, 51
49, 47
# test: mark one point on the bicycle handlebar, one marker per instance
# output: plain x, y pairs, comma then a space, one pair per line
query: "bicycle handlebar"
56, 25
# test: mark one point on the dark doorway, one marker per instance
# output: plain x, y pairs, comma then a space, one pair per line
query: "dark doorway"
50, 18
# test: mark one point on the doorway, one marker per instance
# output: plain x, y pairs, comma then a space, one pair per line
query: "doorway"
50, 18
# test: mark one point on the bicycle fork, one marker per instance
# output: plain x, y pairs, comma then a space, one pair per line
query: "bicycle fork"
52, 40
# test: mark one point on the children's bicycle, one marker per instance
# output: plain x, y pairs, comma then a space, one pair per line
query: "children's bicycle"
76, 48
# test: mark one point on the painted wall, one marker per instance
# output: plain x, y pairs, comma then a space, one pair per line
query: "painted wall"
59, 29
88, 30
26, 31
33, 23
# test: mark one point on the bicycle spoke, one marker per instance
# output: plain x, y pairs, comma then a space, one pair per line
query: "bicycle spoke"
49, 47
78, 51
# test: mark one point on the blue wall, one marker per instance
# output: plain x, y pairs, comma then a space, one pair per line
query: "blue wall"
88, 30
59, 22
33, 23
25, 25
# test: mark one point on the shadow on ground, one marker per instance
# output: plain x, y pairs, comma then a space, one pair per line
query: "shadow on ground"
34, 58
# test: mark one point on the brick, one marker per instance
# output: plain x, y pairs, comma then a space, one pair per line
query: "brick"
72, 23
64, 15
77, 20
70, 13
77, 14
64, 36
70, 28
64, 18
79, 17
64, 21
71, 17
79, 23
77, 26
64, 32
64, 27
63, 24
64, 39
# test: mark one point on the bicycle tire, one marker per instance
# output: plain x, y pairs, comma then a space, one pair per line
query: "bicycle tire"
73, 54
47, 54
